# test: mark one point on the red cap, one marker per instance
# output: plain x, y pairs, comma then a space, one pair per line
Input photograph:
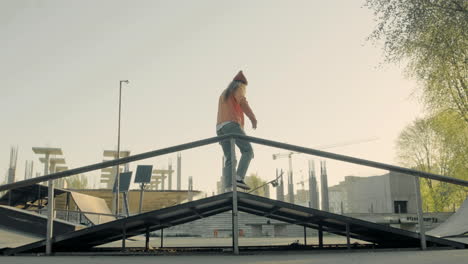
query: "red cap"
241, 78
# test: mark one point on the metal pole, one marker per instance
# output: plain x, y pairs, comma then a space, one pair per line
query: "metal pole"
422, 232
50, 208
162, 237
124, 237
141, 197
305, 236
118, 149
68, 206
348, 240
235, 220
117, 179
320, 236
147, 239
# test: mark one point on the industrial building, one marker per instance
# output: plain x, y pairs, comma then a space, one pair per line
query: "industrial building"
388, 193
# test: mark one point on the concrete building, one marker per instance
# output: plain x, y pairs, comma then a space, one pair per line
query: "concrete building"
388, 193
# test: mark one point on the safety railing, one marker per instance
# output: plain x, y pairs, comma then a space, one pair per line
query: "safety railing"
231, 138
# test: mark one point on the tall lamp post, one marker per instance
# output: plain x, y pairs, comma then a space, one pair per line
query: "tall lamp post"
118, 150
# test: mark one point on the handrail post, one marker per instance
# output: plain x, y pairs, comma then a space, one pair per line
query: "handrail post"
50, 218
422, 231
235, 220
50, 209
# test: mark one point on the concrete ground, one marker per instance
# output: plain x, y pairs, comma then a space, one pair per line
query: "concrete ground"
380, 257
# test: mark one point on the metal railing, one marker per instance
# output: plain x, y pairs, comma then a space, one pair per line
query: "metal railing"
232, 138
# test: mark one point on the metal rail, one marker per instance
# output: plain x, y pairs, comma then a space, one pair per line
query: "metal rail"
115, 162
232, 138
354, 160
212, 140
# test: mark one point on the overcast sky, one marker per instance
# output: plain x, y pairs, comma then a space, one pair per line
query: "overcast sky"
314, 81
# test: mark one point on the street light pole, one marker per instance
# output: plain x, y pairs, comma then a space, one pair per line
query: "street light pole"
118, 150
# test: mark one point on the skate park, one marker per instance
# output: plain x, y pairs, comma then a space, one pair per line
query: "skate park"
357, 146
105, 227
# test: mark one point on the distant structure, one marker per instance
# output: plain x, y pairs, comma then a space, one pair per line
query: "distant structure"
158, 179
220, 184
28, 169
324, 185
13, 161
290, 183
179, 171
61, 183
190, 188
389, 193
108, 174
169, 182
280, 187
266, 191
51, 158
53, 162
313, 190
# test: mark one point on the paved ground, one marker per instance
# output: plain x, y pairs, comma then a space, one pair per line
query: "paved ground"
289, 257
382, 257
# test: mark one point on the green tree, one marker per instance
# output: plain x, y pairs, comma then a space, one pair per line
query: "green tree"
432, 37
79, 181
439, 145
253, 181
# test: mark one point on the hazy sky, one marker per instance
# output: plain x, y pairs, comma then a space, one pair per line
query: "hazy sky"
314, 80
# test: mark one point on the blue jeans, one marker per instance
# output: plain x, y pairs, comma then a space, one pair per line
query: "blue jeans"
245, 148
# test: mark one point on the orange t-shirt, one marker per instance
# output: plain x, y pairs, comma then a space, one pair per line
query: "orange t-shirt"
233, 109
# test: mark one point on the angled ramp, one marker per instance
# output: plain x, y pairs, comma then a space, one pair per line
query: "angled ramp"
25, 197
24, 221
455, 225
381, 235
92, 204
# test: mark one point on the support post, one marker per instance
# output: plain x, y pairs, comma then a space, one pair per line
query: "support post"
124, 236
141, 197
147, 236
305, 236
162, 237
422, 231
348, 240
320, 236
50, 218
235, 220
50, 209
68, 207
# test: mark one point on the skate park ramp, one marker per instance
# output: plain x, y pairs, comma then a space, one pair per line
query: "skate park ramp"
27, 198
455, 226
13, 238
380, 235
32, 223
95, 206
